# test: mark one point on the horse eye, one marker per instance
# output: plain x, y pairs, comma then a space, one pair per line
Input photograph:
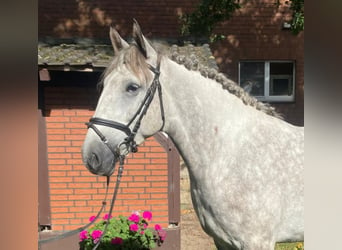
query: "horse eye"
132, 88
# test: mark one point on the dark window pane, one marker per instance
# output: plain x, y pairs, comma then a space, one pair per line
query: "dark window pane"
281, 87
281, 79
279, 68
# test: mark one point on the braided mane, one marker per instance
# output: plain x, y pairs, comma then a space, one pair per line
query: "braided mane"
192, 62
136, 63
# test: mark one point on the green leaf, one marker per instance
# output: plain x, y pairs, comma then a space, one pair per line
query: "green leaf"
208, 13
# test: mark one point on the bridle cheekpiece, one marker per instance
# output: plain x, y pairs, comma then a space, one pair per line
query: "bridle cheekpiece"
129, 142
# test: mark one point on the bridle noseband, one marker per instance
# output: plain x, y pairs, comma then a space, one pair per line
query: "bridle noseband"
129, 141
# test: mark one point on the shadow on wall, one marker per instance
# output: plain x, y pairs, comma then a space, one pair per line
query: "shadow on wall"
256, 32
90, 19
66, 19
253, 33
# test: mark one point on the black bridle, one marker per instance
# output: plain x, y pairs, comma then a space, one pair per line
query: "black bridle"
129, 142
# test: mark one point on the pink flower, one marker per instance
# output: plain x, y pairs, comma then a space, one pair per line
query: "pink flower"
147, 215
96, 234
117, 241
142, 232
145, 226
157, 227
83, 235
134, 227
105, 217
162, 234
134, 217
136, 212
92, 218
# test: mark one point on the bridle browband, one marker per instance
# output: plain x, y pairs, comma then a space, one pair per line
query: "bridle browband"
129, 142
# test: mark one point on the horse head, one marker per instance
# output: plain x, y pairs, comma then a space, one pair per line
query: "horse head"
127, 111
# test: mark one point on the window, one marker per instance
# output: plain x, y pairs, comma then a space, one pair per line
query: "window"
268, 80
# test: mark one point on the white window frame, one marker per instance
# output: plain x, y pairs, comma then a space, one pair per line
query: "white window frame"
267, 97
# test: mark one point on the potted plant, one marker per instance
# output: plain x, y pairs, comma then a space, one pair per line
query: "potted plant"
124, 233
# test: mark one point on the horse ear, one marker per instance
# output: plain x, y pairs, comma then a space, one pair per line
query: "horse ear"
117, 41
144, 46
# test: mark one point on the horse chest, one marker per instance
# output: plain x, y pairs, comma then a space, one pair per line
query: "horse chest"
202, 206
206, 200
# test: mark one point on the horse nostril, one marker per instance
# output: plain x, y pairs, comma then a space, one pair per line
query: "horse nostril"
94, 161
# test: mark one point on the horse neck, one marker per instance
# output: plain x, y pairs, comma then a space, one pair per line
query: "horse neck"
201, 117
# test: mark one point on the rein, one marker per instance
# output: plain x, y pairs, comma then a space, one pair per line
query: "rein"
104, 203
129, 141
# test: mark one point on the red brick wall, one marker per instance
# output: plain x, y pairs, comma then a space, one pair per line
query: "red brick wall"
81, 18
255, 33
75, 193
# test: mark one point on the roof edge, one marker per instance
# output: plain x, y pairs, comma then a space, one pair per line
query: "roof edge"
106, 41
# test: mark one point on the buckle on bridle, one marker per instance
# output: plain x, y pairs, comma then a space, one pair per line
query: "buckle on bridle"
127, 146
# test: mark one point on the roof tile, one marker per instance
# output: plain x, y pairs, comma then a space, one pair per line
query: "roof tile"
100, 55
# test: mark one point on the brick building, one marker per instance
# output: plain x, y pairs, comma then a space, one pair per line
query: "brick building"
257, 51
254, 33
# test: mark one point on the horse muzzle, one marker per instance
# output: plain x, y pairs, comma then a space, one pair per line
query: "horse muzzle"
98, 158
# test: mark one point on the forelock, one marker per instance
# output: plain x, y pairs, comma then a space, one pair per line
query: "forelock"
132, 59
